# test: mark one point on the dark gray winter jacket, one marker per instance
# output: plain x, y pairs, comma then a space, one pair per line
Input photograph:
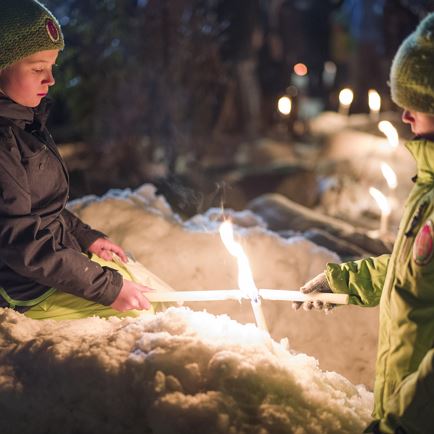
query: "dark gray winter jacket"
42, 243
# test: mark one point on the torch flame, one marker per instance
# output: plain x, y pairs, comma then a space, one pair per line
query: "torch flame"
390, 132
374, 100
381, 200
389, 175
346, 97
245, 277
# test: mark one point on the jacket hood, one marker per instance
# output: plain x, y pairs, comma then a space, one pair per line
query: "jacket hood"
423, 152
22, 115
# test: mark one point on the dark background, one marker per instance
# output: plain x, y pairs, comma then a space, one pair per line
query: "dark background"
151, 90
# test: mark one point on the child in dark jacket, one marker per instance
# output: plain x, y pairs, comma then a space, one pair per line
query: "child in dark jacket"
43, 269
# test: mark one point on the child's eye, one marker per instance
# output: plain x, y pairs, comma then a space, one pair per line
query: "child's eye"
37, 70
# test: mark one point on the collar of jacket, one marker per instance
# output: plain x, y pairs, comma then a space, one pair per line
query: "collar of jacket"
23, 116
423, 152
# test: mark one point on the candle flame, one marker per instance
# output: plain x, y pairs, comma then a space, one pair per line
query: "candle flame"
390, 175
245, 277
346, 97
390, 132
381, 200
374, 100
284, 105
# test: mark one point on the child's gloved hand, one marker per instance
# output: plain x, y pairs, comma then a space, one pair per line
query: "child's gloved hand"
131, 296
317, 284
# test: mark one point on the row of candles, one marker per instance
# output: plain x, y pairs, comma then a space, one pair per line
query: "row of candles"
300, 80
346, 97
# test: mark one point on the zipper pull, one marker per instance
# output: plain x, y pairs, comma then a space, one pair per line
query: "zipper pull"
416, 219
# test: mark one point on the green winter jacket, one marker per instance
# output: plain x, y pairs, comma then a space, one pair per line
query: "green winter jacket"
403, 284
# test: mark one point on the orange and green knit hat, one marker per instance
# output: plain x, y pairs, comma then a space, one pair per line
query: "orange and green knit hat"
26, 28
412, 72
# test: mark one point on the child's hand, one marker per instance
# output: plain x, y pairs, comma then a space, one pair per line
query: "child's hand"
317, 284
105, 248
131, 297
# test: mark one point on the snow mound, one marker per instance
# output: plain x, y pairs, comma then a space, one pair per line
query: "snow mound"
189, 255
177, 372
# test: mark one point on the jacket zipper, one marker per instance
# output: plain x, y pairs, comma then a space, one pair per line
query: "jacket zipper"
409, 235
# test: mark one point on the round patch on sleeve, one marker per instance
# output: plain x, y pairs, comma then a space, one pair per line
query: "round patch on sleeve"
423, 245
52, 30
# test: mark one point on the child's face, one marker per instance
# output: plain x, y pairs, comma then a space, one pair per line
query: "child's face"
422, 124
27, 81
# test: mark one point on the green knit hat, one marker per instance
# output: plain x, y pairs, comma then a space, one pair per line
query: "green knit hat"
26, 27
412, 72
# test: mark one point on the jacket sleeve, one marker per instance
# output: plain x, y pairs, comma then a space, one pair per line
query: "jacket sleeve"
82, 232
30, 249
363, 280
411, 405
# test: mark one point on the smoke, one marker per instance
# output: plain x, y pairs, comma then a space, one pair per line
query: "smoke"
189, 200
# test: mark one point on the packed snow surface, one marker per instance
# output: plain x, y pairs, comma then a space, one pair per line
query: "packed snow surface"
178, 372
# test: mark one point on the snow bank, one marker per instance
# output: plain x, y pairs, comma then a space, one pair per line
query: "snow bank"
190, 256
178, 372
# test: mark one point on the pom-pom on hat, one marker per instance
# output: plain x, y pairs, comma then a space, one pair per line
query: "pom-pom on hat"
26, 27
412, 72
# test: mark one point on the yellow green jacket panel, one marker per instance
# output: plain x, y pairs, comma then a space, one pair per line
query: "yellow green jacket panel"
403, 284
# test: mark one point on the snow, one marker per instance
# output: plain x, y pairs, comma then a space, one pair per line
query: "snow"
178, 372
186, 371
190, 255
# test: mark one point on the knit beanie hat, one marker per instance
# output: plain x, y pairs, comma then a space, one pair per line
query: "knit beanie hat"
412, 72
26, 27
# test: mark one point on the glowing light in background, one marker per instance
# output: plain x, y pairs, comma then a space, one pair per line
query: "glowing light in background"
374, 100
390, 175
284, 105
301, 69
390, 132
384, 206
346, 97
329, 73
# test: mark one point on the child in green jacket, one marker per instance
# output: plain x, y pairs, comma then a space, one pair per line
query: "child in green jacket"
403, 282
45, 250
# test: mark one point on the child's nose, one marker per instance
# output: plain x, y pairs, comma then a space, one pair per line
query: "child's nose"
49, 79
